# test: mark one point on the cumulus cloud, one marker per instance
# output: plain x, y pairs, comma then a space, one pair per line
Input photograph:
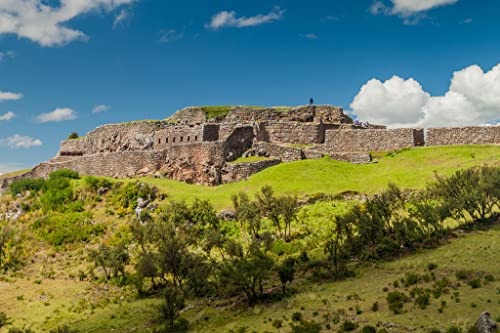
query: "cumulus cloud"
19, 141
46, 23
411, 10
10, 96
170, 35
100, 108
227, 19
472, 99
58, 115
7, 116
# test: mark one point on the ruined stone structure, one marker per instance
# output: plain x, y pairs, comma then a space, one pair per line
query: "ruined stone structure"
202, 147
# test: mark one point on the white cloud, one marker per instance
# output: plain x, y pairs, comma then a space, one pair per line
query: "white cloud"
411, 10
310, 36
226, 19
10, 96
171, 35
122, 16
58, 115
100, 108
472, 99
19, 141
46, 24
8, 116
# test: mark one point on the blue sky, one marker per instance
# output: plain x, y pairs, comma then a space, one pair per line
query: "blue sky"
144, 59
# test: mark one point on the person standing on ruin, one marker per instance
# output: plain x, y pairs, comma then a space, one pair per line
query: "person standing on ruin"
311, 101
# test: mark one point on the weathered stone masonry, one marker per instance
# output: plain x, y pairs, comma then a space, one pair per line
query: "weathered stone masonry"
190, 147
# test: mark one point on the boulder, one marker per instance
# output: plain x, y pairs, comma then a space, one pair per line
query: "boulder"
486, 324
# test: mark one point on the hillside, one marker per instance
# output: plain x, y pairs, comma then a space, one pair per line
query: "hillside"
410, 168
58, 280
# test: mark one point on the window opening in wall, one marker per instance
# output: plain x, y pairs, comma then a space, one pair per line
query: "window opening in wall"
188, 138
196, 138
166, 140
173, 140
182, 138
159, 141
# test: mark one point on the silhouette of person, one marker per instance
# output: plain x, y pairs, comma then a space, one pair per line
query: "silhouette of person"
311, 101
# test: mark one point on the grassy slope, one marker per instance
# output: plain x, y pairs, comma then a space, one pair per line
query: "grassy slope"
476, 251
410, 168
12, 174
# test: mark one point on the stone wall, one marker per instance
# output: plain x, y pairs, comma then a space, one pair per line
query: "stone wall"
285, 154
240, 140
354, 158
291, 132
367, 140
177, 135
463, 135
240, 171
121, 137
72, 147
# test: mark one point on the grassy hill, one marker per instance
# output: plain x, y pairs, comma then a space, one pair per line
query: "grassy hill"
57, 286
409, 168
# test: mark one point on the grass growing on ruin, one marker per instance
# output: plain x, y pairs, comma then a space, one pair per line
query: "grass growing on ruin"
13, 173
410, 168
216, 111
250, 159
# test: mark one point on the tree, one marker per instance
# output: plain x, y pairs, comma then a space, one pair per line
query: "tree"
247, 271
247, 213
339, 246
286, 272
73, 135
288, 207
146, 267
173, 303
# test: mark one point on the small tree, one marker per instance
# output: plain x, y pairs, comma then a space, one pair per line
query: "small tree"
73, 136
247, 213
286, 272
173, 303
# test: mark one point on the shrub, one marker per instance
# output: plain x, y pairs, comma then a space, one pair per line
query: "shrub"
297, 316
26, 184
73, 135
93, 184
369, 329
462, 274
454, 329
4, 320
57, 195
396, 301
348, 326
64, 173
475, 283
423, 300
411, 279
60, 229
431, 266
64, 329
306, 327
277, 323
375, 307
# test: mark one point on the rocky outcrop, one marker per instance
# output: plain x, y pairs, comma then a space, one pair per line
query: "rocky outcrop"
486, 324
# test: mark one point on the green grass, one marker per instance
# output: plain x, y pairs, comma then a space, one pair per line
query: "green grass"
410, 169
216, 111
13, 173
249, 159
476, 251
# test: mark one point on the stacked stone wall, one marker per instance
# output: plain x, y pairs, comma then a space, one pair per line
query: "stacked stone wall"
450, 136
367, 140
73, 147
241, 171
285, 154
291, 132
177, 135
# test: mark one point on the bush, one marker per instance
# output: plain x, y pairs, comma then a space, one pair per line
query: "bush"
348, 326
57, 195
411, 279
431, 266
125, 196
26, 184
60, 229
277, 323
4, 320
396, 301
369, 329
475, 283
306, 327
423, 300
64, 173
64, 329
73, 135
297, 316
93, 184
375, 307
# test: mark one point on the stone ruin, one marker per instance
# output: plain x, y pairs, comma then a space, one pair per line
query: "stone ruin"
197, 147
